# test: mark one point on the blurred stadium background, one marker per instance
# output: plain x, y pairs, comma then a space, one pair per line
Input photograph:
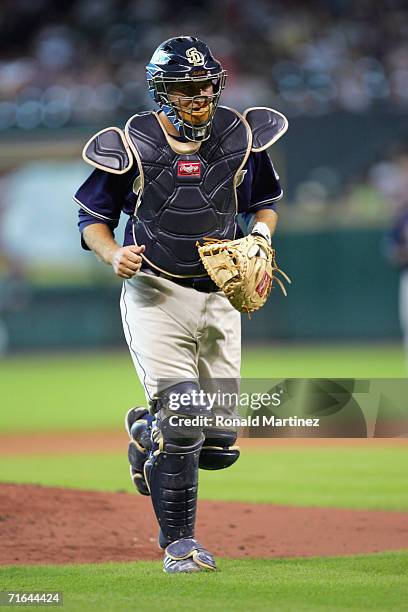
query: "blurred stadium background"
338, 69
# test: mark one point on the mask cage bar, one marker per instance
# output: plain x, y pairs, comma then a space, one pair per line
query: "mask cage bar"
191, 132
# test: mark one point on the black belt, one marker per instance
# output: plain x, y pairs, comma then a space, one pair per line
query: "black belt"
205, 284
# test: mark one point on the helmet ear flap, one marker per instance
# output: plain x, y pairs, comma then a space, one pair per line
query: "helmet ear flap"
157, 89
152, 88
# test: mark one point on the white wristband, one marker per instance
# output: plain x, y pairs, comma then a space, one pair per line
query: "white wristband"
262, 229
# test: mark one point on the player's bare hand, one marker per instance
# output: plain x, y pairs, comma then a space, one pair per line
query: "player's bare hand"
127, 261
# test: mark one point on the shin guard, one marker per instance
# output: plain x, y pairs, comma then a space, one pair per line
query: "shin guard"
172, 476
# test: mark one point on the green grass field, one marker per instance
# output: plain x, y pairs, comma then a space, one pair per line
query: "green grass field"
43, 393
375, 582
348, 477
85, 392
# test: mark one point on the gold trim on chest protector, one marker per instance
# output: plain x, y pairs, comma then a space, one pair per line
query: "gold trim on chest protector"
124, 140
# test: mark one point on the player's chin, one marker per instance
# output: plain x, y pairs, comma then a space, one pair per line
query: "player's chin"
198, 118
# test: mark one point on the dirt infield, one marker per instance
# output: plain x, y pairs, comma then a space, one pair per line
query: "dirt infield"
41, 525
116, 441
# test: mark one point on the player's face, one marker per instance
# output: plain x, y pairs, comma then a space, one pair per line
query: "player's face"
193, 100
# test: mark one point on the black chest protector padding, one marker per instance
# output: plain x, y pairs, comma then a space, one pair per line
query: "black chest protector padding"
267, 126
186, 196
108, 150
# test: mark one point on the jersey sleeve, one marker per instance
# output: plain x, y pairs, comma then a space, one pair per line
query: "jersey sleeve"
266, 189
259, 189
101, 196
100, 200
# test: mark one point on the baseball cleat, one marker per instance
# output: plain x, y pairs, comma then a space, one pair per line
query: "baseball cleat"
138, 426
187, 556
181, 566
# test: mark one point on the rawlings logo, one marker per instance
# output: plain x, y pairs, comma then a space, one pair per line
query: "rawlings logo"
187, 168
195, 57
264, 284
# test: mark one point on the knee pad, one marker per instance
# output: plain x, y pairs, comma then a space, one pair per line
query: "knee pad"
138, 425
185, 398
177, 406
218, 451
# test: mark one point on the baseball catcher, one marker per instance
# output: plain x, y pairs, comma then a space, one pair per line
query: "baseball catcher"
200, 193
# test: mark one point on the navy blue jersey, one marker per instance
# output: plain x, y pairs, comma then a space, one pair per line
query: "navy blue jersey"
104, 196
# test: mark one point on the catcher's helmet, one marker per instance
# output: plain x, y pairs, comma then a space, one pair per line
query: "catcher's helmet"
186, 82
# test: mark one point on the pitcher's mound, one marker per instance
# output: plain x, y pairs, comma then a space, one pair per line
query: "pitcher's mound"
42, 525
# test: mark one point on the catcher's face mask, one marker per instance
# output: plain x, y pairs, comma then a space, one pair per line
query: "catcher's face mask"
193, 102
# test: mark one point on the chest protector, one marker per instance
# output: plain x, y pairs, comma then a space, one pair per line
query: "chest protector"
186, 197
183, 197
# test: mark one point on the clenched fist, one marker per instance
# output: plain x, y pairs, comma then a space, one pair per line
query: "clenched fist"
126, 261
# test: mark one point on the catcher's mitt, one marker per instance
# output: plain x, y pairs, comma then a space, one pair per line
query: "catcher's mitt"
244, 269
